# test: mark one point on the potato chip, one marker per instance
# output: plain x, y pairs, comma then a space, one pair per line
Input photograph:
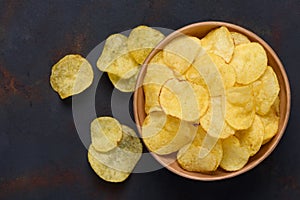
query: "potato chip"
266, 90
239, 38
106, 133
71, 75
156, 76
125, 156
219, 42
124, 85
115, 58
235, 156
180, 53
249, 61
276, 106
195, 77
240, 112
189, 157
202, 96
142, 40
252, 138
210, 73
227, 71
158, 58
104, 172
177, 98
164, 134
270, 122
218, 129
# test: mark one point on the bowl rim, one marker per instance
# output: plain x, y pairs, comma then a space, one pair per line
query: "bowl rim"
238, 28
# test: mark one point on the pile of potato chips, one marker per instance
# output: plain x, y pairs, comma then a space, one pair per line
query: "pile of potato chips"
213, 100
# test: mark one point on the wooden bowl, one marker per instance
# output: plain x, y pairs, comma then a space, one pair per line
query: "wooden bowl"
200, 30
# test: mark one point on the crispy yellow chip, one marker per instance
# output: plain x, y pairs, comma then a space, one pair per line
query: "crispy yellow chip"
189, 157
116, 59
266, 90
180, 53
178, 98
252, 138
235, 156
165, 134
219, 42
104, 172
227, 71
202, 96
218, 129
106, 133
208, 74
71, 75
239, 38
270, 122
276, 106
156, 76
142, 40
240, 107
158, 58
195, 77
125, 156
249, 61
124, 85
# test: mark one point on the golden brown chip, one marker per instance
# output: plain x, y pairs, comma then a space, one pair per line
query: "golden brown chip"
104, 172
165, 134
266, 90
195, 77
178, 98
235, 156
249, 61
239, 38
227, 71
71, 75
252, 138
189, 157
219, 42
156, 76
180, 53
106, 133
270, 122
124, 85
125, 156
142, 40
115, 58
240, 112
219, 128
158, 58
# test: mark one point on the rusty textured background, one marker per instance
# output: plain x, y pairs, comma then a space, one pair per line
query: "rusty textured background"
42, 157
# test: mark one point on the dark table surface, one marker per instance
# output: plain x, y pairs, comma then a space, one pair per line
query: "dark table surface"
42, 156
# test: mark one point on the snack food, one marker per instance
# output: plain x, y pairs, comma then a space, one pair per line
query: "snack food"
71, 75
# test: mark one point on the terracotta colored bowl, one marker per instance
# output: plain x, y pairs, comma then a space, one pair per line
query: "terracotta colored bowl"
199, 30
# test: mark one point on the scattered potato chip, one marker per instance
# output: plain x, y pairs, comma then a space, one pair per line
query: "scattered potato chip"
125, 156
115, 58
142, 40
104, 172
189, 157
156, 76
124, 85
266, 90
249, 61
239, 38
219, 42
240, 112
164, 134
235, 156
177, 98
180, 53
270, 122
217, 126
252, 138
106, 133
71, 75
